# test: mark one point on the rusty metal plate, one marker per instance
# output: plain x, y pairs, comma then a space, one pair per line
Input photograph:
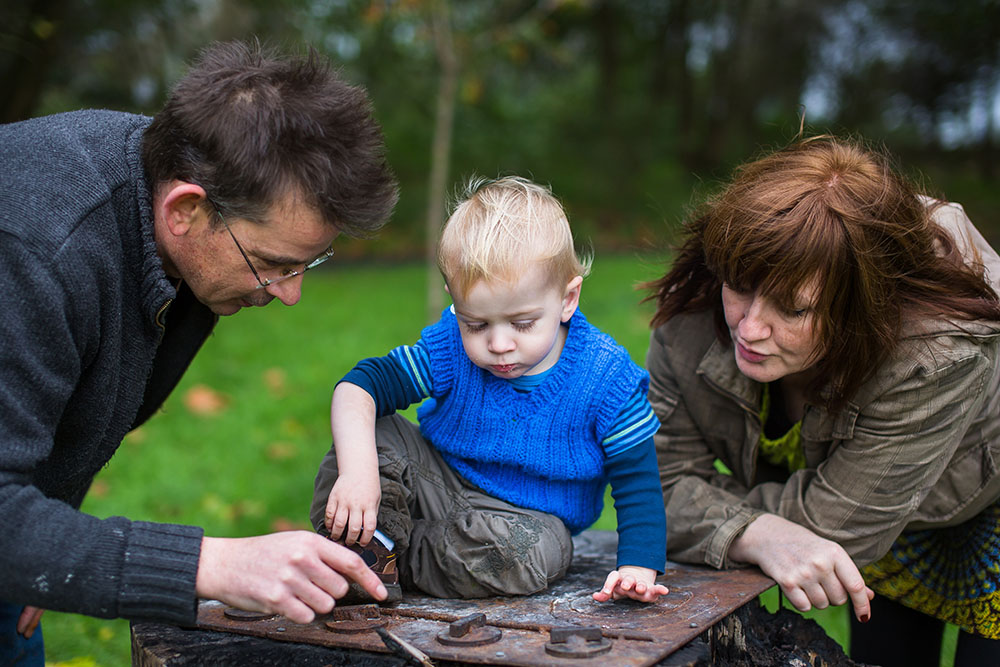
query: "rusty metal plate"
639, 634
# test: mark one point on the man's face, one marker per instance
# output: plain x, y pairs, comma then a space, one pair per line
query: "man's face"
210, 262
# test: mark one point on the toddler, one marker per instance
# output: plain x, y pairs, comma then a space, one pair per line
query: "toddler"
530, 412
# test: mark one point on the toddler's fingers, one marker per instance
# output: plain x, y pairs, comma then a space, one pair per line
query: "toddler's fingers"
655, 591
369, 524
354, 528
329, 515
608, 589
339, 523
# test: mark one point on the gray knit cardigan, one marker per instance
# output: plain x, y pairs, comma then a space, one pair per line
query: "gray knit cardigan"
86, 314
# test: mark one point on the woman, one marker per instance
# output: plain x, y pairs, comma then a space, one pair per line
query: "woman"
833, 339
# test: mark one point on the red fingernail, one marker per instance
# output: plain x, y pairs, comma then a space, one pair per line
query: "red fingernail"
863, 618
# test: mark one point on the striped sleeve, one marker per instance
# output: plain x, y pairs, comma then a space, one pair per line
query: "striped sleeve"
395, 381
635, 424
417, 364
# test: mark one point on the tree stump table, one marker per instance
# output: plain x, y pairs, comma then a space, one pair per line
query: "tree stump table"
709, 618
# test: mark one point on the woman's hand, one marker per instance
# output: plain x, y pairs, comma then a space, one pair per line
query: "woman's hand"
812, 571
638, 583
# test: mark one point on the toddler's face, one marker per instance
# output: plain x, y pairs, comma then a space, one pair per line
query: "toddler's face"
513, 329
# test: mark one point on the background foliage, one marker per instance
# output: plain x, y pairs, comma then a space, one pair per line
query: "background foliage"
630, 109
623, 106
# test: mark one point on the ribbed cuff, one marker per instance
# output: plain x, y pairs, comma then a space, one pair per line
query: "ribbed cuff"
642, 557
159, 573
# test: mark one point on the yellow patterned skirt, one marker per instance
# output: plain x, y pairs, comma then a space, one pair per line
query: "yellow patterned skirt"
952, 574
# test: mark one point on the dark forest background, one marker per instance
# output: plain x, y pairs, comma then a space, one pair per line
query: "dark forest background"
631, 110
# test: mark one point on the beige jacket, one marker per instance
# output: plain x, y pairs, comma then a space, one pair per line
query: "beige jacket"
917, 447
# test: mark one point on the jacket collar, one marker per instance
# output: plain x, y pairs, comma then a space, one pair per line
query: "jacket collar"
719, 369
156, 289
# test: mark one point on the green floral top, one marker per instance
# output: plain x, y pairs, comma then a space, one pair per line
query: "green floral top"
783, 451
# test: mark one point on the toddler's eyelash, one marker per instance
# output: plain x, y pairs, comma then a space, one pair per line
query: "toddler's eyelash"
519, 326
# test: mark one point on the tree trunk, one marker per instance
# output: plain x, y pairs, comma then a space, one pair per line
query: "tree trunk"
440, 151
34, 49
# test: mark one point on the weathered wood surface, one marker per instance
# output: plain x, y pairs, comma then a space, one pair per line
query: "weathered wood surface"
694, 625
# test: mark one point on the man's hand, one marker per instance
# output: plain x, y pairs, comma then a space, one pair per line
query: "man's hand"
29, 620
352, 508
811, 570
638, 583
296, 574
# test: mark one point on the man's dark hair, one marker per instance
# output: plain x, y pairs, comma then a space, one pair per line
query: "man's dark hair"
250, 127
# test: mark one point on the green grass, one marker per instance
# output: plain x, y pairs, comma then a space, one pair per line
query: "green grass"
247, 467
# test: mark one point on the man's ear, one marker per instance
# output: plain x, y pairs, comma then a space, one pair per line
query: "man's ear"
571, 297
180, 206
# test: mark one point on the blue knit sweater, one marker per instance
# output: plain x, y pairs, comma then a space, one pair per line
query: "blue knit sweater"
542, 449
88, 348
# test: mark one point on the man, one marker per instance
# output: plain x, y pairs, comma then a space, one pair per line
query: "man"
122, 239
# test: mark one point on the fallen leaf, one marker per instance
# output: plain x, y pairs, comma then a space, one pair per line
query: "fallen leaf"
249, 508
136, 437
203, 400
82, 661
276, 381
292, 427
99, 488
282, 451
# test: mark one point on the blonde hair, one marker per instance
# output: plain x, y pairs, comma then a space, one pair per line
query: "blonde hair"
501, 225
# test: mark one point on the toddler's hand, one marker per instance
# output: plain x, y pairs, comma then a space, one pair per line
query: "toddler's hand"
638, 583
352, 509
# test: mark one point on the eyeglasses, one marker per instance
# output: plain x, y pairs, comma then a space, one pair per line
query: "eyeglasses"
286, 273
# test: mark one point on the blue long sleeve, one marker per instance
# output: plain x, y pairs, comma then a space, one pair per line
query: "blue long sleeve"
642, 519
387, 382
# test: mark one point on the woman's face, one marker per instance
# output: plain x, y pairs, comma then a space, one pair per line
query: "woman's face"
771, 342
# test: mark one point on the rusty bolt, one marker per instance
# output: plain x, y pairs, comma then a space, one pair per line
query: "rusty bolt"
470, 630
577, 642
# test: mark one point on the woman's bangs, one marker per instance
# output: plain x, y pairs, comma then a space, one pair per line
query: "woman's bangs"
778, 257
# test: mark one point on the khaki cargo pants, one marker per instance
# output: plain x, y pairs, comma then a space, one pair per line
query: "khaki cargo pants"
452, 540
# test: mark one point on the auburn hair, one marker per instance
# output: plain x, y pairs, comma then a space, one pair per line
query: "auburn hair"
835, 211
